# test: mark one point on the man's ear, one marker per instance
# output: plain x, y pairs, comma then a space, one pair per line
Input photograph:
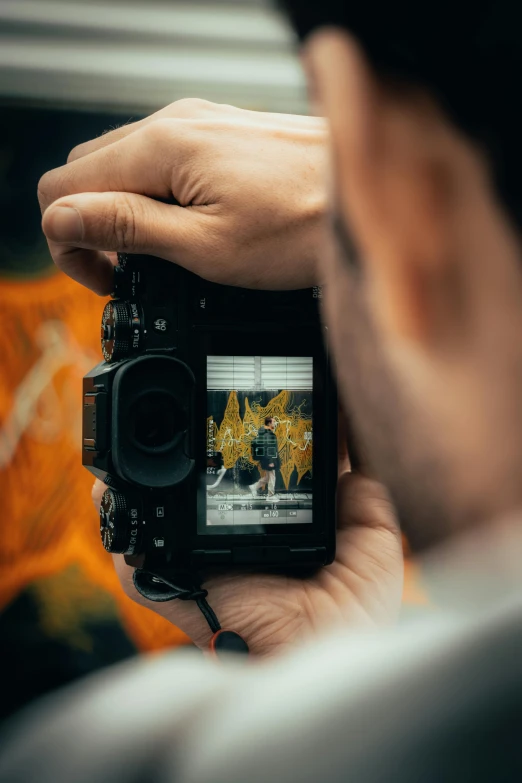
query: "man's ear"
393, 185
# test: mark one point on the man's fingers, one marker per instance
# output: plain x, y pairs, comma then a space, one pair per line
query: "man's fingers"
89, 206
98, 489
76, 226
109, 137
141, 163
363, 502
90, 268
186, 108
191, 109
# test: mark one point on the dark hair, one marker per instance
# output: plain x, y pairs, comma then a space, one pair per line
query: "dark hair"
470, 60
268, 419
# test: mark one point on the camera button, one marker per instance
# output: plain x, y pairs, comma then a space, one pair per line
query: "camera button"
312, 556
246, 554
216, 556
276, 554
95, 435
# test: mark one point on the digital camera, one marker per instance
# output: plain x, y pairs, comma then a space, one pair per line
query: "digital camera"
212, 420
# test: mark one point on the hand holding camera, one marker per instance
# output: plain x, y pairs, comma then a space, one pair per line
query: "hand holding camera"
362, 588
251, 185
243, 227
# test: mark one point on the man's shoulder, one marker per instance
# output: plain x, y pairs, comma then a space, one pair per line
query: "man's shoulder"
440, 700
434, 701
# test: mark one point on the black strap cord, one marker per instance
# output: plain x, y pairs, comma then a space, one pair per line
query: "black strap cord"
187, 587
160, 586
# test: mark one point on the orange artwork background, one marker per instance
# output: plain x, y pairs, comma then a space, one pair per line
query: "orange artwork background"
49, 527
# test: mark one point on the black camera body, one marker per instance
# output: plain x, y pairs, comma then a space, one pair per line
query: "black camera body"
197, 377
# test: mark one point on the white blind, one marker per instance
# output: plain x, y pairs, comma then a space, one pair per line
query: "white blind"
292, 372
231, 372
137, 57
260, 372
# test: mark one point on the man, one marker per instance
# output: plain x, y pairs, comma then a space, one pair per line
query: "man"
216, 462
266, 452
423, 282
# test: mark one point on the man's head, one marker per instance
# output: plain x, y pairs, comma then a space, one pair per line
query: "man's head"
270, 423
424, 274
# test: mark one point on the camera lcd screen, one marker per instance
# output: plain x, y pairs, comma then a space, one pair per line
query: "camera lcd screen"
259, 439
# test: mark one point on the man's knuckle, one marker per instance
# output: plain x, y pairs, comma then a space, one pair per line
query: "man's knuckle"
76, 152
157, 137
159, 129
46, 189
124, 224
165, 136
192, 107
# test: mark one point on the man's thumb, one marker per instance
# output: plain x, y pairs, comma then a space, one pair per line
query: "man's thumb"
363, 502
81, 226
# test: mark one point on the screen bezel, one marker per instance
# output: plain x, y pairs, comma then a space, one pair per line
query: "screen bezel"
241, 343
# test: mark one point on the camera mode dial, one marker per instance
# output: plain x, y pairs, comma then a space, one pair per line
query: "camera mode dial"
121, 330
121, 523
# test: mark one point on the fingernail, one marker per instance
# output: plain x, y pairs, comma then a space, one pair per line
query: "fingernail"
64, 224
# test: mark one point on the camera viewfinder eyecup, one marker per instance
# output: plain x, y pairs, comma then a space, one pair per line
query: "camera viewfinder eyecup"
152, 412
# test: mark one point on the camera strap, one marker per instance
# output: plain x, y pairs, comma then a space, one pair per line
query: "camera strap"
160, 587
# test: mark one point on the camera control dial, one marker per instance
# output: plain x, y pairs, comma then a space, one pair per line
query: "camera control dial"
121, 330
121, 523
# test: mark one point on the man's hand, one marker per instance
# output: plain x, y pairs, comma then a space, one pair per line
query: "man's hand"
361, 588
250, 185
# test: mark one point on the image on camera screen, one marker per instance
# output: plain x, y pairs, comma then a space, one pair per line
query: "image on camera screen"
259, 440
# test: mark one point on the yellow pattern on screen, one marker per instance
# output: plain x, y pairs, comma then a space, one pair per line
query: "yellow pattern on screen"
293, 431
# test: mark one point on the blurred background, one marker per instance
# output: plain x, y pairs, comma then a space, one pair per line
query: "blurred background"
69, 71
